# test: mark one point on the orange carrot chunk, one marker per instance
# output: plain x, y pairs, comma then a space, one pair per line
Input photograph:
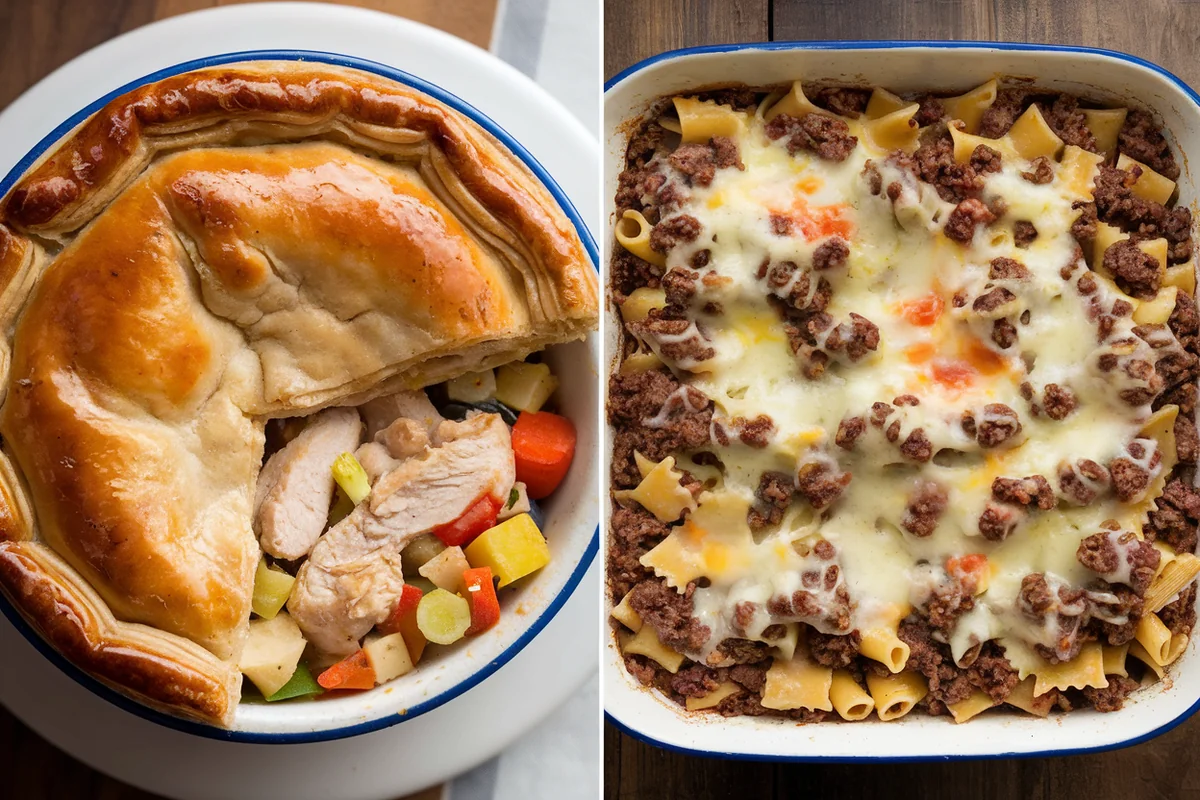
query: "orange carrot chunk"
481, 594
543, 445
352, 672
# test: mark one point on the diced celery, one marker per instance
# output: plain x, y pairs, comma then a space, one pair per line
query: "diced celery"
446, 568
443, 617
419, 551
525, 386
474, 387
351, 476
388, 656
301, 684
272, 587
513, 549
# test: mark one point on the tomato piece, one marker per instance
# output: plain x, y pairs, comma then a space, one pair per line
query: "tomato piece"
474, 521
953, 374
972, 564
481, 594
410, 596
403, 620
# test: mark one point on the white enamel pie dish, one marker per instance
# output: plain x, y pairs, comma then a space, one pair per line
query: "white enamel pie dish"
900, 67
500, 684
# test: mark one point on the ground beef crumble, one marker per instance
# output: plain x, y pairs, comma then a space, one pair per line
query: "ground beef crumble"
827, 137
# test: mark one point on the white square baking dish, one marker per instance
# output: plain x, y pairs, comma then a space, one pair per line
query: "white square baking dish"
900, 67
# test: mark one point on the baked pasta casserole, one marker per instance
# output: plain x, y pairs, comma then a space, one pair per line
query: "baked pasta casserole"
903, 414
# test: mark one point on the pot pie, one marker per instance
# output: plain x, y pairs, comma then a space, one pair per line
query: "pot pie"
220, 250
904, 410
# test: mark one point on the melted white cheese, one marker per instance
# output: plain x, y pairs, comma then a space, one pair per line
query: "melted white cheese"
898, 256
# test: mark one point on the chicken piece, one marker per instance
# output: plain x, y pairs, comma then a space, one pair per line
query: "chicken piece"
291, 504
353, 579
376, 460
404, 438
383, 411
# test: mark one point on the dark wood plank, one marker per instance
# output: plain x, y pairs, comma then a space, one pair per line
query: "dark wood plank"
1166, 32
881, 19
1163, 31
37, 36
636, 30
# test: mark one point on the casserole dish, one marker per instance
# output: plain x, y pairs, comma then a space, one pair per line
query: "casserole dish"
902, 69
540, 599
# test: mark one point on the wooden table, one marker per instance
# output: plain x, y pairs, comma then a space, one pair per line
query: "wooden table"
1163, 31
36, 36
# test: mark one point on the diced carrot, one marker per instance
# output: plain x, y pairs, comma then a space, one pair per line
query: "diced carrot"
543, 445
972, 564
923, 311
474, 521
403, 620
481, 594
352, 672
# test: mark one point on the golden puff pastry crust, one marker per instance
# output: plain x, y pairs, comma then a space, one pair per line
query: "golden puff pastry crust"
206, 252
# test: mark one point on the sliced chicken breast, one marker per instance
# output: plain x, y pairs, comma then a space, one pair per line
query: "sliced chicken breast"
353, 579
383, 411
296, 485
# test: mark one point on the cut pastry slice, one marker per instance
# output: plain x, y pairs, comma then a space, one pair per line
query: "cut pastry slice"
207, 252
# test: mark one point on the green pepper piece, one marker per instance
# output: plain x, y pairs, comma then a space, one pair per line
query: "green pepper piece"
301, 684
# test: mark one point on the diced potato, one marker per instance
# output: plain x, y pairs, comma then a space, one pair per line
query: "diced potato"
388, 656
446, 568
443, 617
419, 552
513, 549
301, 684
474, 387
272, 588
273, 648
517, 502
524, 386
351, 476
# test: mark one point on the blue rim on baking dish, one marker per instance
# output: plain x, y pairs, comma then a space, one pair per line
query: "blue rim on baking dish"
895, 44
478, 117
